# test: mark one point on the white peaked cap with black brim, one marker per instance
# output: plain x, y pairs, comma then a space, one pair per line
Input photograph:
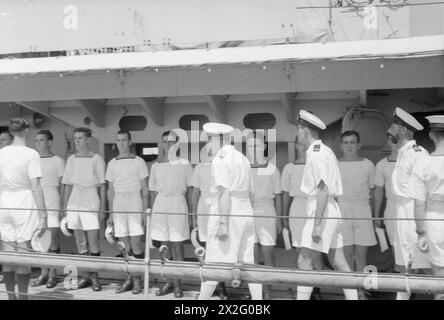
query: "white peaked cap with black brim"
436, 122
405, 119
308, 119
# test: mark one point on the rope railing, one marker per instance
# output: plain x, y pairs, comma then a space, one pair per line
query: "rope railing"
231, 215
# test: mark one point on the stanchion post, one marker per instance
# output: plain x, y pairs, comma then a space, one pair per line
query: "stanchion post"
147, 253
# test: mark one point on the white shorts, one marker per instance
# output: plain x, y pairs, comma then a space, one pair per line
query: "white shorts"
166, 227
297, 209
239, 247
203, 206
435, 234
357, 232
390, 213
331, 237
18, 225
405, 244
265, 228
52, 202
85, 199
127, 224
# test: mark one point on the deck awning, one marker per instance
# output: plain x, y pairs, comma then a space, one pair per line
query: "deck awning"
182, 59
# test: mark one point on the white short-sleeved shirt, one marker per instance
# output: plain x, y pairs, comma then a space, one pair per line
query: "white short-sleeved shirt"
408, 155
202, 177
321, 165
53, 168
357, 179
18, 165
291, 179
171, 178
266, 182
127, 173
85, 172
383, 177
428, 179
231, 170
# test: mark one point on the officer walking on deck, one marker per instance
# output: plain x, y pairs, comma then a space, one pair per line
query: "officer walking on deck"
407, 255
428, 192
321, 181
230, 239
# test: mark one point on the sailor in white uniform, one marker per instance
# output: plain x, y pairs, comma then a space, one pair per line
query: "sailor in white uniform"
267, 201
85, 189
6, 139
294, 203
52, 172
170, 188
230, 238
383, 186
321, 182
20, 175
428, 191
407, 255
201, 197
201, 200
127, 175
357, 181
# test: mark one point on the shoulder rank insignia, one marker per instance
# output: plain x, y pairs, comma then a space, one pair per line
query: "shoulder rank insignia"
417, 148
317, 148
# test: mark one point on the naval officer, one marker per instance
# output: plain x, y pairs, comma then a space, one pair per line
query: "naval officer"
321, 182
230, 239
401, 131
428, 191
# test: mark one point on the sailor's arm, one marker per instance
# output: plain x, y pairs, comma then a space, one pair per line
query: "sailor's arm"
278, 206
286, 200
378, 195
195, 195
321, 205
224, 211
110, 202
37, 194
66, 194
102, 193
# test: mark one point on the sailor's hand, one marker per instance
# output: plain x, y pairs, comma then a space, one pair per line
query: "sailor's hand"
222, 231
43, 226
109, 221
316, 234
422, 244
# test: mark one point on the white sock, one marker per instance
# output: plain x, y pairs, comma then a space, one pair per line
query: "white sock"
304, 293
402, 296
255, 291
351, 294
207, 289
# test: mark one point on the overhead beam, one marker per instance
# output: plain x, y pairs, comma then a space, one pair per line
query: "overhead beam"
219, 106
95, 110
42, 107
289, 104
155, 109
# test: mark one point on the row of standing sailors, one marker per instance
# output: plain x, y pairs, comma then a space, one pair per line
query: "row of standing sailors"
170, 181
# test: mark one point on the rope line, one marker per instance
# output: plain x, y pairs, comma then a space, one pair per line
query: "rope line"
231, 215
